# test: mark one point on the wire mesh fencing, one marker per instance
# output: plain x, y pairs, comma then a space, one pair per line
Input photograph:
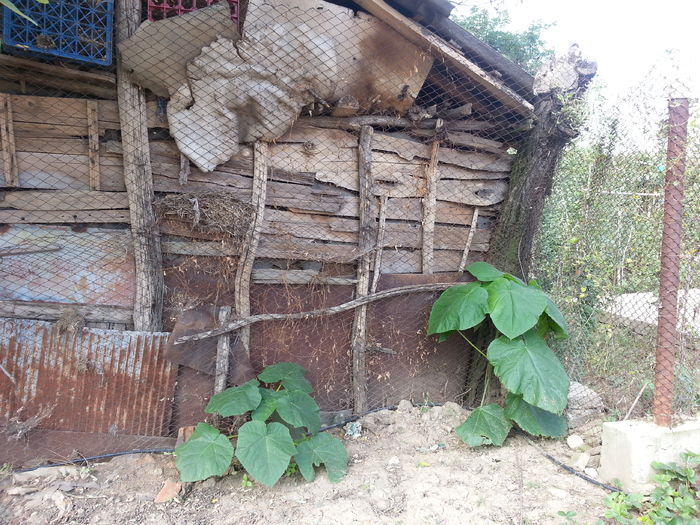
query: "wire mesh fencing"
618, 248
294, 168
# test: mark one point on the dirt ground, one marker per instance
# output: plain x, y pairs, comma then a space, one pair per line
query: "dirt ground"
407, 467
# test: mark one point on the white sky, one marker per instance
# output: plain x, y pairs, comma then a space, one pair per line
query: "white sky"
625, 37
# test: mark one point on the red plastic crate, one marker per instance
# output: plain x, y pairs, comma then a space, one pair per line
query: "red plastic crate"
160, 9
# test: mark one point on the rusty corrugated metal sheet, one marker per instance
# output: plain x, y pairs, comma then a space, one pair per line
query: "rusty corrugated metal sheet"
95, 380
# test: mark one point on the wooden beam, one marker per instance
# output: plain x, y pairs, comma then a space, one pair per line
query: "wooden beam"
249, 247
429, 210
93, 145
138, 178
367, 238
53, 311
427, 40
7, 135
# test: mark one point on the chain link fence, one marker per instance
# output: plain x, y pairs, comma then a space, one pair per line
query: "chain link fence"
618, 249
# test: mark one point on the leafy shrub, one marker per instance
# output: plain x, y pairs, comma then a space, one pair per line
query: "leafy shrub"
265, 449
675, 499
522, 315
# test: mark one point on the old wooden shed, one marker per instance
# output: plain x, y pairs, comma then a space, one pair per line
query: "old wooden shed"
324, 153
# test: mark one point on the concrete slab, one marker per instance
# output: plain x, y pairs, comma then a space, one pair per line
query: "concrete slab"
629, 447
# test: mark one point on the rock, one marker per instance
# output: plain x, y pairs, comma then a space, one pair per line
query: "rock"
209, 483
594, 462
581, 460
575, 441
558, 493
595, 451
353, 430
583, 405
591, 473
170, 490
405, 406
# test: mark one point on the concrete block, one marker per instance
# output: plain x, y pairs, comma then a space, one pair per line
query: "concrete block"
629, 447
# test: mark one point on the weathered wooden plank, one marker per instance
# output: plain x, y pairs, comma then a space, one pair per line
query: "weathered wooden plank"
92, 266
54, 311
417, 34
409, 149
64, 200
7, 140
429, 205
274, 276
468, 244
64, 217
409, 261
93, 145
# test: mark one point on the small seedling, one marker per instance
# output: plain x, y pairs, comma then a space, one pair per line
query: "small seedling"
246, 482
569, 515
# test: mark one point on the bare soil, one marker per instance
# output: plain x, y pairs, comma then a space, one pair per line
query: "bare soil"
407, 467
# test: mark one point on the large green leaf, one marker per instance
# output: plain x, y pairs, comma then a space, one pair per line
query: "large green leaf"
207, 453
527, 366
12, 7
291, 375
557, 321
458, 308
235, 400
264, 450
554, 317
486, 425
514, 308
268, 404
322, 449
534, 420
299, 410
484, 271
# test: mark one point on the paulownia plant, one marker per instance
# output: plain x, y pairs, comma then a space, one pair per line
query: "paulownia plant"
265, 449
522, 316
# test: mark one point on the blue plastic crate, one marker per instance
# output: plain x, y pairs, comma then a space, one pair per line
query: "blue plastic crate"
75, 29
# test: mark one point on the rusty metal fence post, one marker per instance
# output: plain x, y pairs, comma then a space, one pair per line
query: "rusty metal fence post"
667, 334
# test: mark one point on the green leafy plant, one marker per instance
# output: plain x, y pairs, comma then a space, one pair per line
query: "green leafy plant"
12, 7
265, 449
519, 316
675, 499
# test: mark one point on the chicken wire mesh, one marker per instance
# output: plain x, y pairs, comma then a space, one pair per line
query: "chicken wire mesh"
319, 158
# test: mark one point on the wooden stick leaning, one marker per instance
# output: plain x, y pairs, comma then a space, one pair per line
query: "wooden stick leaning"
244, 270
344, 307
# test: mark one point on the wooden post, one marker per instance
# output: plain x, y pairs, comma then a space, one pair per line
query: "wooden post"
429, 209
223, 350
93, 144
7, 134
148, 304
247, 258
365, 242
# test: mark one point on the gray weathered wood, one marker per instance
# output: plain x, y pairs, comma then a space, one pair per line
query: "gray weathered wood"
223, 351
69, 217
64, 200
367, 238
93, 144
244, 269
379, 247
470, 239
7, 136
53, 311
429, 212
148, 303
